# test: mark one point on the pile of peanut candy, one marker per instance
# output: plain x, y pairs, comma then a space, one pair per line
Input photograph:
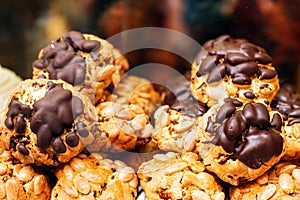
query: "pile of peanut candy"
83, 128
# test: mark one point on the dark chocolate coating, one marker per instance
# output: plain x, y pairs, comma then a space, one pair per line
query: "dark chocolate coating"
22, 149
52, 115
80, 126
72, 139
287, 102
226, 110
249, 95
60, 60
259, 147
236, 58
181, 99
19, 111
247, 134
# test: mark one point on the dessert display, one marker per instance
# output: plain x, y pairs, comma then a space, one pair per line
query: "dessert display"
82, 128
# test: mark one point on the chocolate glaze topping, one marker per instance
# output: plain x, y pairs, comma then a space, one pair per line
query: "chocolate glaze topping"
247, 134
16, 114
236, 58
181, 99
22, 149
52, 115
60, 60
287, 102
249, 95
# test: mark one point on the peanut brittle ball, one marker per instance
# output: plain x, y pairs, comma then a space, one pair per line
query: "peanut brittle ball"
85, 61
176, 130
241, 141
287, 102
93, 177
47, 122
21, 182
177, 123
136, 90
281, 182
120, 127
124, 116
228, 67
178, 176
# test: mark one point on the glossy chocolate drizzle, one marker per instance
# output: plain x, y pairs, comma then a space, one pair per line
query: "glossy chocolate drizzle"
247, 134
60, 58
182, 100
237, 58
287, 102
50, 117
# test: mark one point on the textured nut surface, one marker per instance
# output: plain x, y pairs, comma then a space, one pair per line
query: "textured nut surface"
178, 176
77, 164
2, 191
174, 131
176, 167
39, 184
19, 181
12, 189
3, 168
26, 173
278, 183
286, 183
100, 179
268, 192
296, 174
263, 179
121, 127
138, 91
82, 185
126, 174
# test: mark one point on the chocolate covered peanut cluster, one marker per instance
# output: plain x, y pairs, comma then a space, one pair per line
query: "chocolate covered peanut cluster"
247, 134
228, 67
85, 61
41, 123
236, 58
287, 103
60, 60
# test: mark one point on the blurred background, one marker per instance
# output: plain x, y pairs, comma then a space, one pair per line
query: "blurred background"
26, 26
